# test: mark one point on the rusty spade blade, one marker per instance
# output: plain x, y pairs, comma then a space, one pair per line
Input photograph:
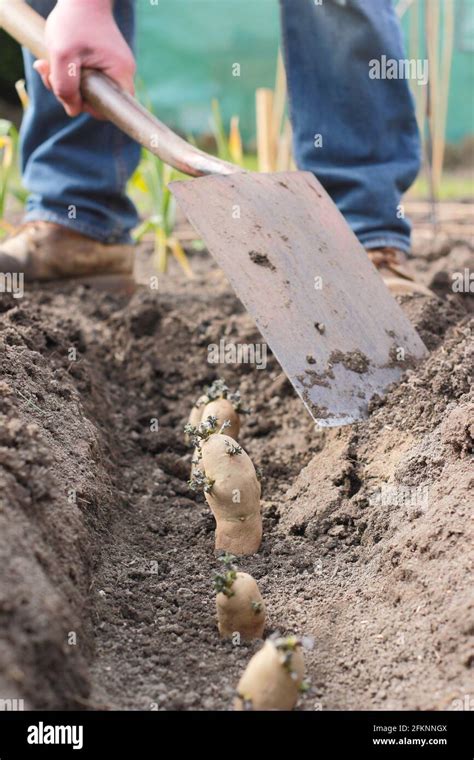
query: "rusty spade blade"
301, 273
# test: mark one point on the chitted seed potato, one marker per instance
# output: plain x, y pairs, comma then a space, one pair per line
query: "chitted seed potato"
197, 435
196, 464
224, 411
273, 678
235, 495
220, 412
218, 401
196, 414
240, 608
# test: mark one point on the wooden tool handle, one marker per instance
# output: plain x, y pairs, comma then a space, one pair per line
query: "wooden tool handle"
107, 98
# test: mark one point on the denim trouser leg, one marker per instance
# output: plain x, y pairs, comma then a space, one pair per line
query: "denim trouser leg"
77, 167
370, 150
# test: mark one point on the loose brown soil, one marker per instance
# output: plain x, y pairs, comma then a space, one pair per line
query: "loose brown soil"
107, 556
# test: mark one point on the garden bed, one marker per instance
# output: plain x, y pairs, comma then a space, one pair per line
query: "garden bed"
107, 557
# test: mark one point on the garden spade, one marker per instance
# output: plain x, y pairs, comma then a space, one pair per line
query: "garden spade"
320, 304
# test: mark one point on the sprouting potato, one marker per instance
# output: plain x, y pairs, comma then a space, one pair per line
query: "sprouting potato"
224, 472
197, 435
224, 411
273, 679
196, 414
239, 604
242, 613
196, 465
219, 402
234, 495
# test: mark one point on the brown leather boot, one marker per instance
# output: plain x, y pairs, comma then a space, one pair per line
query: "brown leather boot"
397, 272
44, 252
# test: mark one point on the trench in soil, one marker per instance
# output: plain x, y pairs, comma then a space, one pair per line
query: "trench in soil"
106, 600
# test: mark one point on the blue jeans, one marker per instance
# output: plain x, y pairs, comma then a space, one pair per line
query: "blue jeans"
76, 170
370, 152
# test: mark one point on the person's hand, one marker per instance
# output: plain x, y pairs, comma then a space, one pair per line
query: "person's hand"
83, 33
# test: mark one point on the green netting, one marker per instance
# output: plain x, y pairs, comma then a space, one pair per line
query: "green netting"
186, 52
461, 96
187, 48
